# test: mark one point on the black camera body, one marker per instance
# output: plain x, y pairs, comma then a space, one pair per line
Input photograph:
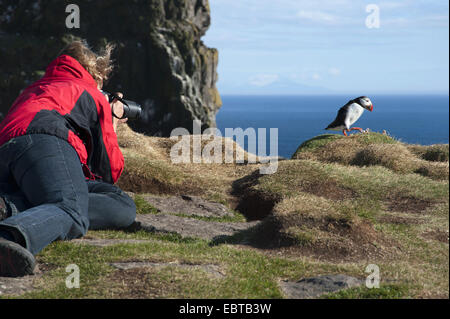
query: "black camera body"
131, 109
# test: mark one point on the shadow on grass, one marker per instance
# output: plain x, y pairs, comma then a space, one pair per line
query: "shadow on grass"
253, 204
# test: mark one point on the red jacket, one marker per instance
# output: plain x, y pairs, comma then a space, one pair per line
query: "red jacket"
67, 103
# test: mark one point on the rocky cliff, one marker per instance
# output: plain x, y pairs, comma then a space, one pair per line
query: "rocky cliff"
161, 61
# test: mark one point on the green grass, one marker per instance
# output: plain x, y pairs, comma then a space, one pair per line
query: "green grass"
373, 182
384, 292
144, 207
248, 273
375, 138
142, 235
364, 207
317, 142
379, 182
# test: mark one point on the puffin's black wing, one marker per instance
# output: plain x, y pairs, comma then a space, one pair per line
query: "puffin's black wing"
340, 118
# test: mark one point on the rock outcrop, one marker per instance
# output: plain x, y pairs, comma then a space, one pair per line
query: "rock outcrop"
161, 61
317, 286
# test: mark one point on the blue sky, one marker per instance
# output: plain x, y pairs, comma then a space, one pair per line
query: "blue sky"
318, 47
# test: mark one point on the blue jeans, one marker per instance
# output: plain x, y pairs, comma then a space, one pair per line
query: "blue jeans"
48, 196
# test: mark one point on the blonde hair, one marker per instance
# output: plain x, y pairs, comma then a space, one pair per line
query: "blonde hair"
99, 65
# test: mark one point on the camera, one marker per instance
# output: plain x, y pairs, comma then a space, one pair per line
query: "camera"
131, 109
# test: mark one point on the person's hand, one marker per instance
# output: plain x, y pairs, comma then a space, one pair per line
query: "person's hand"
117, 111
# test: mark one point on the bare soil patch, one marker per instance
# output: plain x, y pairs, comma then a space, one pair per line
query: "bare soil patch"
408, 204
400, 220
17, 286
213, 271
136, 283
328, 189
344, 241
438, 235
144, 280
139, 184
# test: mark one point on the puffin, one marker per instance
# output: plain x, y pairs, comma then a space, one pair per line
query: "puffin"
349, 114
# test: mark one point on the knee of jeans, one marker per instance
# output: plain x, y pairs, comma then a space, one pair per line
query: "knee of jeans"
76, 229
130, 206
80, 219
128, 217
79, 229
124, 214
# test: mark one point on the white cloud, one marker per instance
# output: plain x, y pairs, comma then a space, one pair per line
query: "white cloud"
263, 79
305, 76
391, 5
334, 71
318, 16
423, 22
298, 78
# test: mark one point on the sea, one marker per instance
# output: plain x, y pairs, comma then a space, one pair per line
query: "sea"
415, 119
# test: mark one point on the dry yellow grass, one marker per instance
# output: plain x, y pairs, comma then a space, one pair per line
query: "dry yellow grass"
149, 167
160, 148
436, 152
428, 161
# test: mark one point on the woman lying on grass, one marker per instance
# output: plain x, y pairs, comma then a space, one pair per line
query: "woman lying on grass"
59, 160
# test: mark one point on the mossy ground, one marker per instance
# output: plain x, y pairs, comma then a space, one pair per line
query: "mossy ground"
324, 212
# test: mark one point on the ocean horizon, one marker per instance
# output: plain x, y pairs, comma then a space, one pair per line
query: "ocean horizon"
415, 119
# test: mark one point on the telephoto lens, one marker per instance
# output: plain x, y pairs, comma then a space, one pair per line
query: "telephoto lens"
131, 109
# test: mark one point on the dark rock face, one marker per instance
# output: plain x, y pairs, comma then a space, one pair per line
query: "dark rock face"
161, 61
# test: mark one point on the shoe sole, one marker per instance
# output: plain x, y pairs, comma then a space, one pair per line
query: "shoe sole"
15, 261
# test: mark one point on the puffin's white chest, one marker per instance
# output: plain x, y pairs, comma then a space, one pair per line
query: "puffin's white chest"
353, 114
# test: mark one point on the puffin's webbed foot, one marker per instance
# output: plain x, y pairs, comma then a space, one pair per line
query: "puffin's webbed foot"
356, 129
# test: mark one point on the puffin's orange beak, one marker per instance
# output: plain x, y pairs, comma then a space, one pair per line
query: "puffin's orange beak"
371, 108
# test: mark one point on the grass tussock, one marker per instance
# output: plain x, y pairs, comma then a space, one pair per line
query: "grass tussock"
149, 167
329, 211
372, 149
433, 153
201, 149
